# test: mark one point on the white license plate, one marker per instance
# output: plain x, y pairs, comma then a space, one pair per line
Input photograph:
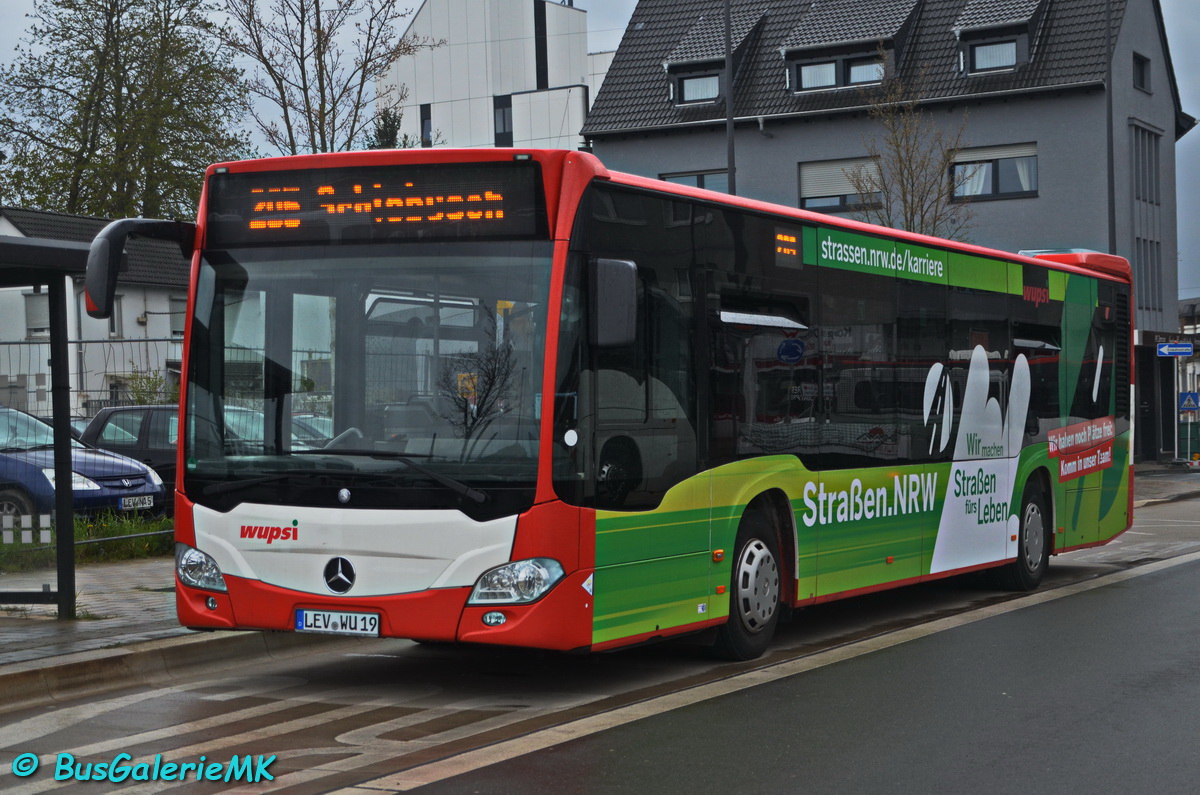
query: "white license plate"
133, 503
337, 623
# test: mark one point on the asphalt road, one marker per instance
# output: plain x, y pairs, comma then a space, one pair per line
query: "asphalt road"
1098, 692
1088, 685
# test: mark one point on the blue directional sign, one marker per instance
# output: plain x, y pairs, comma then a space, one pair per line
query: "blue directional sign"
1174, 349
1189, 401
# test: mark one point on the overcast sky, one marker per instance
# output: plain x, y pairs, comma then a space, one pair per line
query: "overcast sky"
606, 23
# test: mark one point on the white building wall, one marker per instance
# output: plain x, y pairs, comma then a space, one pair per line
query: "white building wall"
548, 119
598, 64
511, 47
566, 45
488, 48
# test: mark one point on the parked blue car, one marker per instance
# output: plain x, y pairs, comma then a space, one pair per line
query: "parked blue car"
100, 480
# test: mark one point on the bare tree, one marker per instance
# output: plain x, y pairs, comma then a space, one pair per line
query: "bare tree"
913, 183
319, 94
479, 385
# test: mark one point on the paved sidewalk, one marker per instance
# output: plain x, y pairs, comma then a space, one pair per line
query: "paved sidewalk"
128, 609
117, 604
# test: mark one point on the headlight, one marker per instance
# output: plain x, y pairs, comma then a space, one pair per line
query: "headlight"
197, 569
154, 478
516, 583
78, 481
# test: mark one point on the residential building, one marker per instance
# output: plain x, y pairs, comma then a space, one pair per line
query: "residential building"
111, 361
1071, 120
497, 73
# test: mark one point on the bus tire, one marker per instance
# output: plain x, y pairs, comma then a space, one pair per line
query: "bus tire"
754, 593
1033, 543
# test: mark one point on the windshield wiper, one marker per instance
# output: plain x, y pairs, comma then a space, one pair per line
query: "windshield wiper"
457, 486
237, 485
274, 477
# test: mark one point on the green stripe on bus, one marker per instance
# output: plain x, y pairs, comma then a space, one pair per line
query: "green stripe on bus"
875, 255
980, 273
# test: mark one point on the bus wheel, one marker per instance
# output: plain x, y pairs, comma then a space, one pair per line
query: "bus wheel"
1033, 543
754, 594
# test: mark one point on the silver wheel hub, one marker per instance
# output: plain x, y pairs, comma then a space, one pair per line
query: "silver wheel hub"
756, 586
1033, 536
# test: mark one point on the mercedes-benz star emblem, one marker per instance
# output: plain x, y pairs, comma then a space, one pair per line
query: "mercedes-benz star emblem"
339, 575
344, 496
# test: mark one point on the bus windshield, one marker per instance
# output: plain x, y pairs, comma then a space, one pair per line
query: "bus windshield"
407, 374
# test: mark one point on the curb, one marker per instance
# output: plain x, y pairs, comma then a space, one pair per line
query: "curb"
1183, 495
37, 682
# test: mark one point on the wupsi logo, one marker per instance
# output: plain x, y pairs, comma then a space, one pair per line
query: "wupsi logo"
269, 533
1037, 295
1035, 284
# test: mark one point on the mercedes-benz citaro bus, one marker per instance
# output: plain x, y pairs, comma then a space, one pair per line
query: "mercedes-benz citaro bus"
573, 409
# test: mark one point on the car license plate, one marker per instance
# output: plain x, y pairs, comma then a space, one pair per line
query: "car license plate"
337, 623
133, 503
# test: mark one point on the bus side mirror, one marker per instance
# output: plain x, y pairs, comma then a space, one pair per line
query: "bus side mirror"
614, 303
106, 256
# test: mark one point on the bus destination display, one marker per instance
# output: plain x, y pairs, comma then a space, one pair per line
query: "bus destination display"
500, 200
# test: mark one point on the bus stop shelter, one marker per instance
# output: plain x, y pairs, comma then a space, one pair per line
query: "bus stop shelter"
28, 262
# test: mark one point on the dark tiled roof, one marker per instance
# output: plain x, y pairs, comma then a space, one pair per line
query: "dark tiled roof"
843, 21
978, 14
1067, 50
151, 262
706, 40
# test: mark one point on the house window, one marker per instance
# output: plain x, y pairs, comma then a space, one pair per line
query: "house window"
37, 314
864, 70
1141, 72
827, 186
993, 56
709, 180
818, 75
1146, 161
178, 316
502, 115
115, 327
704, 88
997, 172
842, 72
426, 125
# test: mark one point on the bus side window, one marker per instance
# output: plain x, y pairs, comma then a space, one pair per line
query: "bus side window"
860, 360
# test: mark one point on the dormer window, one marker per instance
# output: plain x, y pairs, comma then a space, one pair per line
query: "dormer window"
841, 72
696, 66
997, 37
818, 75
864, 70
700, 88
993, 56
826, 51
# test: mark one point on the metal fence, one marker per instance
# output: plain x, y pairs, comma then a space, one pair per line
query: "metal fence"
102, 373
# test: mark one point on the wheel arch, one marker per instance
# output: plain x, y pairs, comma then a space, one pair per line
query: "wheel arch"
775, 504
1040, 476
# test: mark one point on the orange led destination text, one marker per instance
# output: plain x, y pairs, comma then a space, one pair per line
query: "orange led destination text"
394, 209
786, 245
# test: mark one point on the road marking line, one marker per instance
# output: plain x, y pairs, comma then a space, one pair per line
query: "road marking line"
557, 735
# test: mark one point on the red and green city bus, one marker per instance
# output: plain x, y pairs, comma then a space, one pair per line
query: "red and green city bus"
578, 410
